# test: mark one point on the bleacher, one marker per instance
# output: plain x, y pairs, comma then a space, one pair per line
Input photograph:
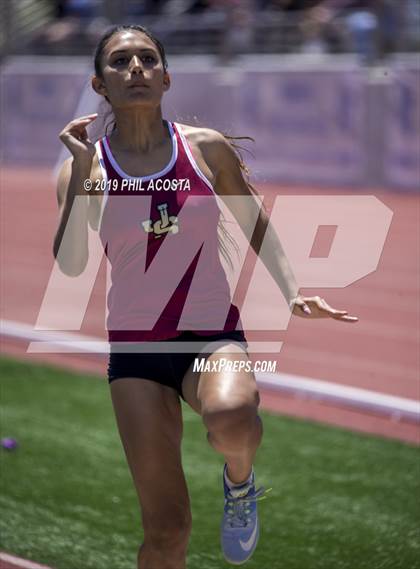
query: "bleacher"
33, 26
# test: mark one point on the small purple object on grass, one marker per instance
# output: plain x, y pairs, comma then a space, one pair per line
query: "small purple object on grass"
9, 443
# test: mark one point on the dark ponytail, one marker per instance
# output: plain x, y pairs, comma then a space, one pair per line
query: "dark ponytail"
222, 231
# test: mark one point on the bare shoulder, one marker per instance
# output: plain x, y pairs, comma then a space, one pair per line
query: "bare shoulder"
212, 144
205, 138
221, 157
202, 135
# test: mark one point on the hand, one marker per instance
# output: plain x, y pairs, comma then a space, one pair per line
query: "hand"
74, 136
316, 307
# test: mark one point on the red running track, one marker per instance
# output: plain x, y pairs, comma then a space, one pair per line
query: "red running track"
379, 353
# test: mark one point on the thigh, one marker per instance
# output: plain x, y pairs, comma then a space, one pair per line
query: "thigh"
149, 419
211, 389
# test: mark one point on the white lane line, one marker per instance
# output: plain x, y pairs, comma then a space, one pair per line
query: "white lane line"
27, 332
361, 399
398, 407
19, 562
53, 341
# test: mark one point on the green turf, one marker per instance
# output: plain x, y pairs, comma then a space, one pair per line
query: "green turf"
339, 500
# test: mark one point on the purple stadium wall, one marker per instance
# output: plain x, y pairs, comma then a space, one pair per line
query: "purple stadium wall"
322, 127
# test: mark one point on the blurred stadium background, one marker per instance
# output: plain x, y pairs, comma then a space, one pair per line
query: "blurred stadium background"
291, 73
330, 91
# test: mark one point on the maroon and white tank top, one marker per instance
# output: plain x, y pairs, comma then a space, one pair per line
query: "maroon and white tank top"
159, 233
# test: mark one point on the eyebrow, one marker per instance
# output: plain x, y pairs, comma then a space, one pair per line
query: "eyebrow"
144, 49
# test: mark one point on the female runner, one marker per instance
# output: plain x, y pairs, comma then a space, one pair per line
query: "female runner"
131, 74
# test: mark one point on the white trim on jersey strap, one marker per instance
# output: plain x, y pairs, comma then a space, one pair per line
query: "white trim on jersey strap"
192, 159
105, 177
196, 168
165, 170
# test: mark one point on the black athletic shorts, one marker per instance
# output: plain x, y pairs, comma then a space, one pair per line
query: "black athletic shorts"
165, 368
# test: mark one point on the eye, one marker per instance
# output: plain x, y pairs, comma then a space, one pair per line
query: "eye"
149, 59
120, 60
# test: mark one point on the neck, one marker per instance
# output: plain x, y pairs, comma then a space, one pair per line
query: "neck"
138, 130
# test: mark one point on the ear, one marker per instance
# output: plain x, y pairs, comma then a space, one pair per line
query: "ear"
166, 81
98, 86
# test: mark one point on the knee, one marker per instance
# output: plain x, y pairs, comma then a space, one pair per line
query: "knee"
234, 420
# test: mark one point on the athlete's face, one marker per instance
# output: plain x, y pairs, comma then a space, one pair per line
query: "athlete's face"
132, 71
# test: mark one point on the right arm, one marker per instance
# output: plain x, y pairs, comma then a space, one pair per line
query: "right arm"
71, 240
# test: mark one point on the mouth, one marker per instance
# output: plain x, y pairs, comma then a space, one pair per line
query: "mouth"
138, 86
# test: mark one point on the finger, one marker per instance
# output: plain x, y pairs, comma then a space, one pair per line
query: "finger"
75, 134
79, 126
300, 304
91, 117
305, 308
75, 130
81, 121
80, 133
323, 305
311, 299
346, 318
71, 140
320, 303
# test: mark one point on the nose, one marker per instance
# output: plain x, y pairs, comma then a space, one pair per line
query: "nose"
135, 65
